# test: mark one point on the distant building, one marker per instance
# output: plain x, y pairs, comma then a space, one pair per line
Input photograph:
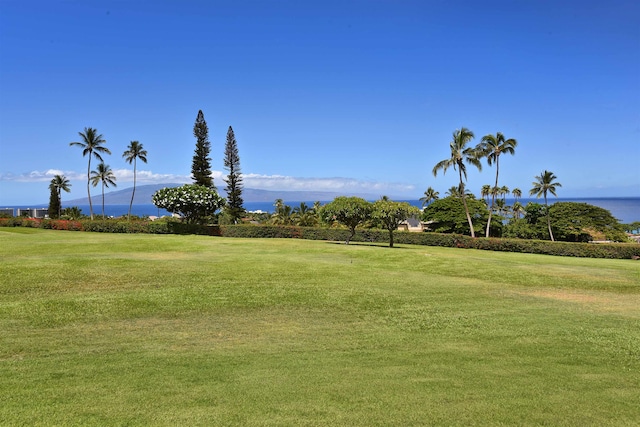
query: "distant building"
6, 212
33, 212
413, 225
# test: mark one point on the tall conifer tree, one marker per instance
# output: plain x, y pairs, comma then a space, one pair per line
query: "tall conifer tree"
234, 179
54, 203
201, 166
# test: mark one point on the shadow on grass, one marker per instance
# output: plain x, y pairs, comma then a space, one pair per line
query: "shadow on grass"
372, 244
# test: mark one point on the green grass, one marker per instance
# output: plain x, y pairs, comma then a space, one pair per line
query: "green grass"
106, 329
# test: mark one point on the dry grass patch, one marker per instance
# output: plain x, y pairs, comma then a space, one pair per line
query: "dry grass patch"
603, 302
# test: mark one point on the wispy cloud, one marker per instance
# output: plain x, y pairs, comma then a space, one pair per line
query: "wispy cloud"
280, 182
122, 176
148, 177
257, 181
41, 176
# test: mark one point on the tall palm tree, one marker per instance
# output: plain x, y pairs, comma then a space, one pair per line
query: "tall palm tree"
541, 186
504, 190
103, 175
501, 206
493, 146
429, 196
60, 183
92, 145
134, 152
461, 154
485, 192
282, 215
517, 193
517, 209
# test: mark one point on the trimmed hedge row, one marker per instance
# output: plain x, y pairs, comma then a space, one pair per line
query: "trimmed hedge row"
106, 226
544, 247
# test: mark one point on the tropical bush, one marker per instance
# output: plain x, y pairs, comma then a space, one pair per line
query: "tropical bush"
570, 222
447, 215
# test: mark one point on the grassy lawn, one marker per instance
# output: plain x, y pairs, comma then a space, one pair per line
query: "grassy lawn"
105, 329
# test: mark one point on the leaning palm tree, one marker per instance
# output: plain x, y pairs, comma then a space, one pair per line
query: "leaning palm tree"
132, 154
461, 154
493, 146
429, 196
544, 184
91, 145
103, 175
60, 183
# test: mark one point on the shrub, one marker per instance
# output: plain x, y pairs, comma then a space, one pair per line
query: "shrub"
193, 202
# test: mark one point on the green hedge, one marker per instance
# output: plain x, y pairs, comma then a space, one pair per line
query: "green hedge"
545, 247
105, 226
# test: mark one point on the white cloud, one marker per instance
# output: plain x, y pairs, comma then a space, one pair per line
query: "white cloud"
41, 176
148, 177
279, 182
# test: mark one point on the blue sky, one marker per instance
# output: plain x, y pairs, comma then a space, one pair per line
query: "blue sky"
357, 96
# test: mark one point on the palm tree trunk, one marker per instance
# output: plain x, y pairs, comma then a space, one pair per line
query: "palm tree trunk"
464, 202
59, 202
103, 200
548, 219
134, 188
493, 198
88, 188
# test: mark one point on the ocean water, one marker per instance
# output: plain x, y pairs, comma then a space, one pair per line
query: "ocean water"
625, 209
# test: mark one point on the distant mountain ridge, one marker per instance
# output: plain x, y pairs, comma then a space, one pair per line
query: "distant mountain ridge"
144, 193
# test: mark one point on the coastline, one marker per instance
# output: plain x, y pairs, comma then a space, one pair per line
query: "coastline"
625, 209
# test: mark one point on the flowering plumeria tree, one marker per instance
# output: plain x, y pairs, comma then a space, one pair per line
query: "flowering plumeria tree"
193, 202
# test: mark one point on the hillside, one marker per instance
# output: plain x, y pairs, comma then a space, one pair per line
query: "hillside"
144, 193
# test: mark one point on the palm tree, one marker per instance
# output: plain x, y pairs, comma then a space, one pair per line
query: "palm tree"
517, 209
453, 191
485, 192
316, 211
544, 184
91, 145
282, 216
60, 183
493, 146
504, 190
103, 175
461, 154
429, 196
304, 216
134, 152
517, 193
501, 206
